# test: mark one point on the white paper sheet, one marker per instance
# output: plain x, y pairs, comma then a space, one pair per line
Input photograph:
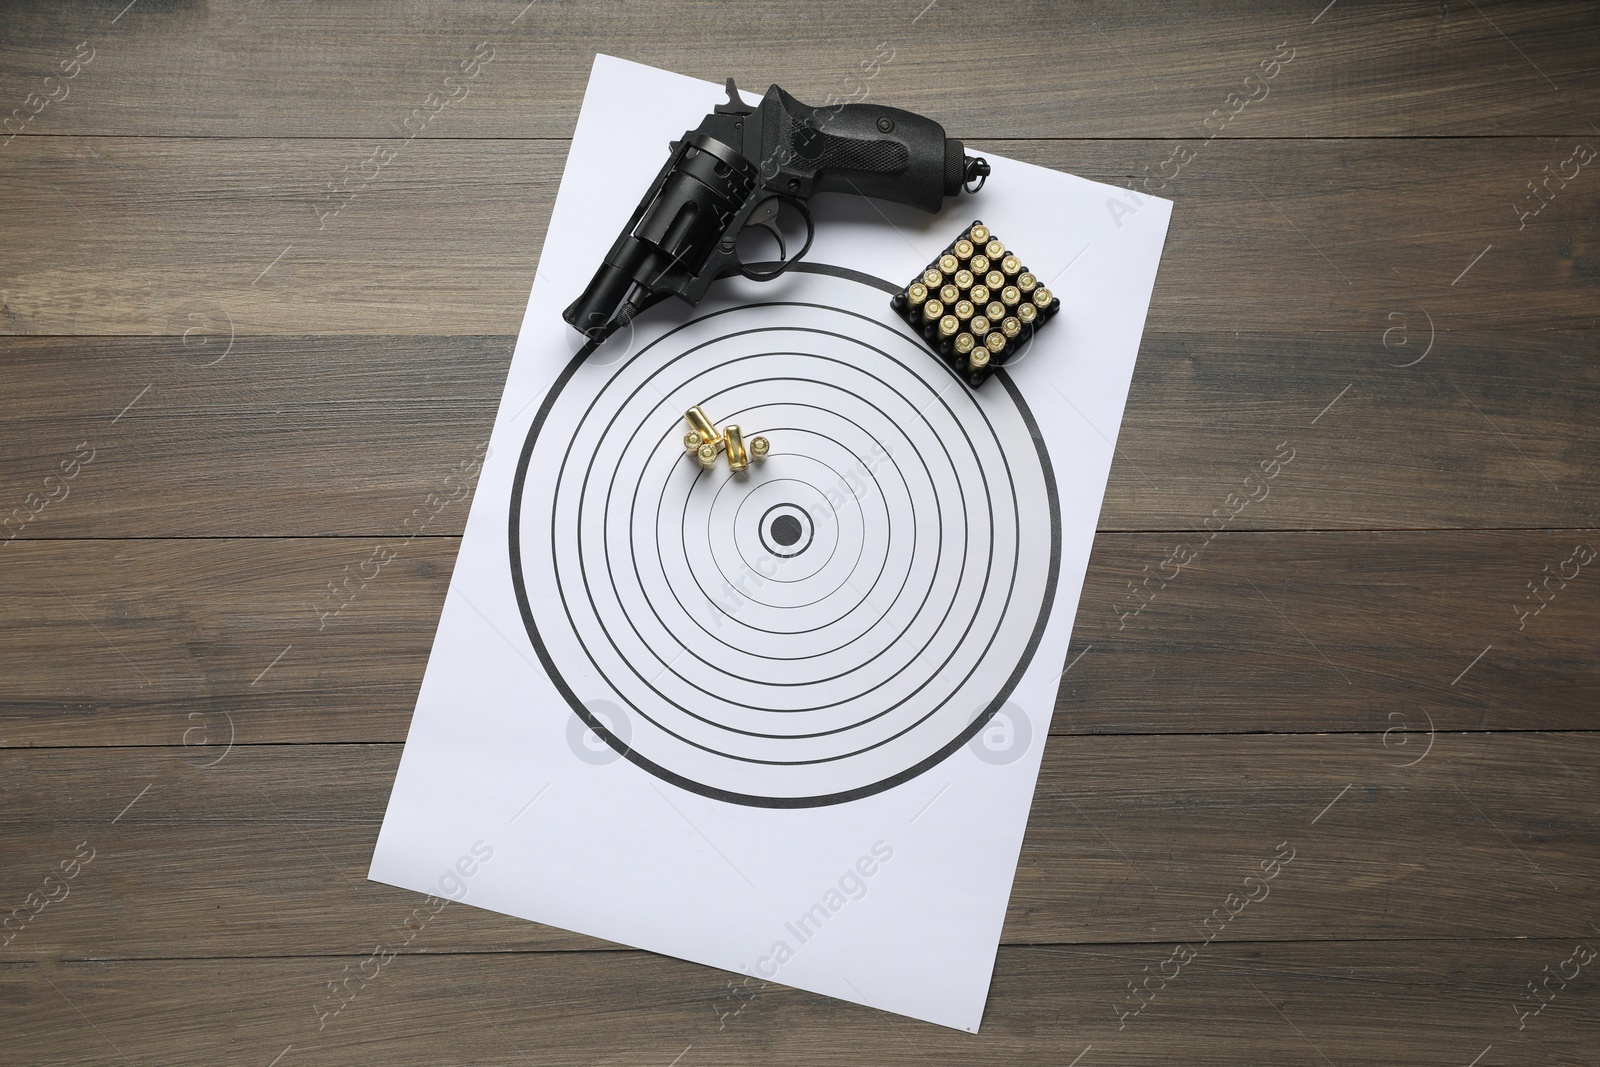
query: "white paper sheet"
796, 786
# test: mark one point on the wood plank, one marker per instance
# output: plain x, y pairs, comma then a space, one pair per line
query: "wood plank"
1335, 632
248, 445
347, 435
1111, 70
1349, 1003
1349, 631
1130, 840
135, 236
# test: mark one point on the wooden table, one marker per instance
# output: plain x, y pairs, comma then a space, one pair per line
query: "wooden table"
256, 312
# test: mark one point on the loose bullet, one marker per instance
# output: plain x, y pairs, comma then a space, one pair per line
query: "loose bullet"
738, 458
700, 424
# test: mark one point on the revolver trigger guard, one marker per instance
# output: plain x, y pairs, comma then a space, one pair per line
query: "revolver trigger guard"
766, 218
772, 227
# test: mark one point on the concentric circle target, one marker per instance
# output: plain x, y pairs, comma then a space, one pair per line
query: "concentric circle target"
824, 626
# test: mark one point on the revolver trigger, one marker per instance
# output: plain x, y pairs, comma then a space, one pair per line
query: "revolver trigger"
766, 211
771, 227
766, 216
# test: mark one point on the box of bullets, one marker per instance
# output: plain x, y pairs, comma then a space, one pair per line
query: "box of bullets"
976, 305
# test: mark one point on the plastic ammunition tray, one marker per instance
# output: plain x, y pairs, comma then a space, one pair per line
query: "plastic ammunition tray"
967, 319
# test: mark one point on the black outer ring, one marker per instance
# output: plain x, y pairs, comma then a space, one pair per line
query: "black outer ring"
514, 550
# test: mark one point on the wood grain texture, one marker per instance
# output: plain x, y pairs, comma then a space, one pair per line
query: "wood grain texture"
998, 69
345, 435
1298, 237
1131, 840
1437, 1004
271, 390
136, 642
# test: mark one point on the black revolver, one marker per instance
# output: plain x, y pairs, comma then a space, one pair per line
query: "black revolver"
737, 169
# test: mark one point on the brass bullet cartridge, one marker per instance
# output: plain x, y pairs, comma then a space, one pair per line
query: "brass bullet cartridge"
759, 447
692, 442
738, 458
978, 303
707, 455
700, 424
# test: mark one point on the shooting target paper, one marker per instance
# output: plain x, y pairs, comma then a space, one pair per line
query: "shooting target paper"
785, 721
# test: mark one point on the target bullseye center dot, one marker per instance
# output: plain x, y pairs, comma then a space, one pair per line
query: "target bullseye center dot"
786, 530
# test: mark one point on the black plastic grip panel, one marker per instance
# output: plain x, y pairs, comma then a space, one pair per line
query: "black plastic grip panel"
866, 149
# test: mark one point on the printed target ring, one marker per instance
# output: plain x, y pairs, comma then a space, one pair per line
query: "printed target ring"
786, 530
832, 622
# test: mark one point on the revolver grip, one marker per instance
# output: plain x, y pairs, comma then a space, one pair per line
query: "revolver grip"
868, 149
